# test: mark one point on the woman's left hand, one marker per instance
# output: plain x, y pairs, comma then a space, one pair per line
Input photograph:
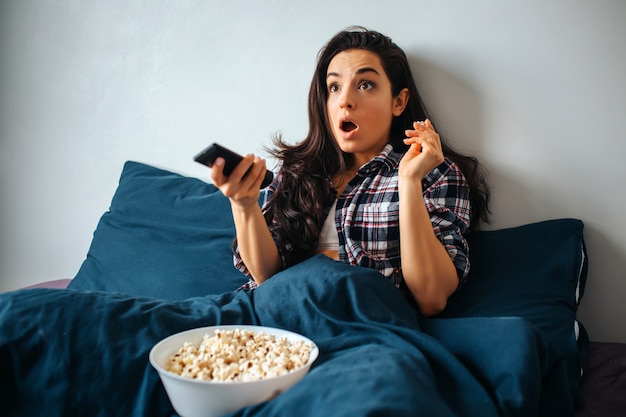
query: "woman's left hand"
425, 152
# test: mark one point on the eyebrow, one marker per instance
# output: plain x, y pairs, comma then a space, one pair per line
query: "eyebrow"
359, 71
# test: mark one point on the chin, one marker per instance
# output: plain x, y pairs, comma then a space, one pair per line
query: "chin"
348, 146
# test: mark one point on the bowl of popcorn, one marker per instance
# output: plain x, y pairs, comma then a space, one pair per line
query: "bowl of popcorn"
212, 371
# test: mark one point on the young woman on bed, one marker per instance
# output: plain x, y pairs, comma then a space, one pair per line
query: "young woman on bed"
75, 352
371, 180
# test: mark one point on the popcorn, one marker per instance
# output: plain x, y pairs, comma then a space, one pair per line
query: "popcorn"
238, 356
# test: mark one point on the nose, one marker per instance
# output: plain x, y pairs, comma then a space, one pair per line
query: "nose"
346, 101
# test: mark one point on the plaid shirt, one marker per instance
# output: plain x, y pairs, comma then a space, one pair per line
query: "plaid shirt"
367, 216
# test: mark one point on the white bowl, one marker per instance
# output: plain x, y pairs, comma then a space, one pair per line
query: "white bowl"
198, 398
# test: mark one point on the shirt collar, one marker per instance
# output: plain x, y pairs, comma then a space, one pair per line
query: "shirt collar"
387, 157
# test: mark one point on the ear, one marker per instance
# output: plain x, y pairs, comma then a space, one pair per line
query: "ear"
400, 101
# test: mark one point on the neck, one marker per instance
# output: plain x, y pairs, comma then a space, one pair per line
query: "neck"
341, 180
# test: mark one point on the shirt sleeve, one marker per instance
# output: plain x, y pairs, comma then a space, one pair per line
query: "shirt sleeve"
265, 197
447, 198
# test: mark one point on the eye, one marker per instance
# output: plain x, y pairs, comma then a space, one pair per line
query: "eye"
333, 88
366, 85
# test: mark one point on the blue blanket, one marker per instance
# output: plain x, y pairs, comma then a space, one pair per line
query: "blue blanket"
76, 352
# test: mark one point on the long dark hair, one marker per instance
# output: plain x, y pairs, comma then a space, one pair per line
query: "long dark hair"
307, 166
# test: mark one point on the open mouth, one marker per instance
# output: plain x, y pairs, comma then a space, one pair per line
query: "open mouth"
348, 126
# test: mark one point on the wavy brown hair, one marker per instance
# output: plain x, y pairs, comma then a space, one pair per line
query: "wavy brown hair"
306, 167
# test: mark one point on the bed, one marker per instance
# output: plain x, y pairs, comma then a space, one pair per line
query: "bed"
508, 344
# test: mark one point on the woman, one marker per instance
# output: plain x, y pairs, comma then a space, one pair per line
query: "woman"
371, 180
393, 190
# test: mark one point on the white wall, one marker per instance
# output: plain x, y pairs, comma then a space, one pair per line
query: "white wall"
534, 88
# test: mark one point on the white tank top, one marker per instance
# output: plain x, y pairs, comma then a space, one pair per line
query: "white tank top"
329, 240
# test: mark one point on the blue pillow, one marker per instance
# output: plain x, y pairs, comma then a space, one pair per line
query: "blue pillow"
165, 236
537, 271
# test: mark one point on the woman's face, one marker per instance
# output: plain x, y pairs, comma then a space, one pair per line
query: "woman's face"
360, 104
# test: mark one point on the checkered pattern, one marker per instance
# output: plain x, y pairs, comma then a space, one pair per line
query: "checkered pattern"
367, 216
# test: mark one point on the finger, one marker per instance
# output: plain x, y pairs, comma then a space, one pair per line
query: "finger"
252, 179
414, 133
430, 144
217, 171
240, 170
252, 172
259, 172
419, 126
414, 146
411, 133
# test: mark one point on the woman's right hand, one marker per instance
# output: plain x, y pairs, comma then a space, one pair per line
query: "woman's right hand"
243, 188
243, 185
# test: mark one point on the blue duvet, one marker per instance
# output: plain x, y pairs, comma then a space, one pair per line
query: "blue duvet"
85, 353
